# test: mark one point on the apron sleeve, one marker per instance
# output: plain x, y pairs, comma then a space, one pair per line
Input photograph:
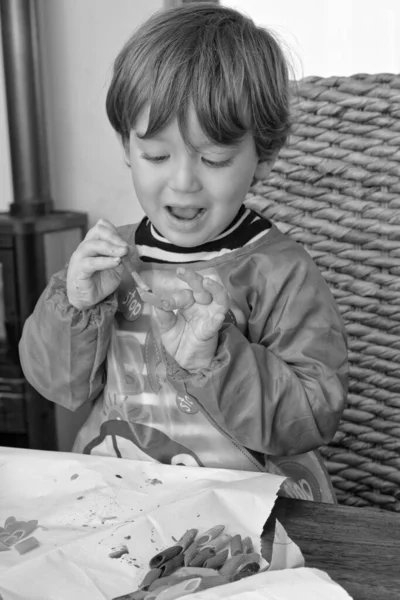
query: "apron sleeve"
62, 350
279, 389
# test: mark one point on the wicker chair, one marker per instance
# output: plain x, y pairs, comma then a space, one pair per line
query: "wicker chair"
335, 188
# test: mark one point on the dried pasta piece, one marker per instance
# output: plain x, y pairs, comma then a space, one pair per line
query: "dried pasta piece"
150, 576
171, 565
167, 580
209, 582
190, 552
183, 588
155, 593
248, 547
246, 571
197, 571
216, 562
254, 557
187, 538
220, 542
159, 559
231, 565
27, 545
181, 574
200, 558
137, 595
236, 545
210, 535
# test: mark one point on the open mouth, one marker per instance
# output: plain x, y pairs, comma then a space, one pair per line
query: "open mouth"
185, 214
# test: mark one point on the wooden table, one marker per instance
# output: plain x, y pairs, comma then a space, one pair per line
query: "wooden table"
358, 547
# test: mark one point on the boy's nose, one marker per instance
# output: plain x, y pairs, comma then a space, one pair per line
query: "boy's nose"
184, 177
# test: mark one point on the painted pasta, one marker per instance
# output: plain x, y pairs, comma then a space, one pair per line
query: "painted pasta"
187, 538
162, 557
197, 562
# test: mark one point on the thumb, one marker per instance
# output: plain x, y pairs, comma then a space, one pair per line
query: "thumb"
212, 326
116, 273
218, 319
165, 319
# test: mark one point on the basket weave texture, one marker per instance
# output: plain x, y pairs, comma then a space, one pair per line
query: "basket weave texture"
335, 188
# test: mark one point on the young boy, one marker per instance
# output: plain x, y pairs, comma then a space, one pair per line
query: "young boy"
245, 360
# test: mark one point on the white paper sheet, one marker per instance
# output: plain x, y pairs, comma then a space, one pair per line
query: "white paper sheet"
289, 584
88, 506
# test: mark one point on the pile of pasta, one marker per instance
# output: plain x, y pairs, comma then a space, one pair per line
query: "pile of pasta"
197, 562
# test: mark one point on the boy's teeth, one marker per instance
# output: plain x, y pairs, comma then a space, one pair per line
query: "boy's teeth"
185, 213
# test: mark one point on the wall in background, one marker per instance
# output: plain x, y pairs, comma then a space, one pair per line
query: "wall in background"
79, 41
332, 37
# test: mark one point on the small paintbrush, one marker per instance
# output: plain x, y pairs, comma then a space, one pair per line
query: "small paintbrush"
146, 293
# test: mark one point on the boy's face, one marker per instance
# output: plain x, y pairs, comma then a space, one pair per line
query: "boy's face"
190, 196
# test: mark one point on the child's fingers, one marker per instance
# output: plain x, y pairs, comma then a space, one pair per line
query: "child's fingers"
217, 291
179, 300
92, 264
195, 280
98, 247
105, 230
105, 223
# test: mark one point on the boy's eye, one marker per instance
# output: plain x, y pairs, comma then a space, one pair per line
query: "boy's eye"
217, 164
154, 159
206, 161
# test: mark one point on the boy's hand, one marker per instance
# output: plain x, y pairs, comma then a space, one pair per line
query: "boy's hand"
95, 269
190, 334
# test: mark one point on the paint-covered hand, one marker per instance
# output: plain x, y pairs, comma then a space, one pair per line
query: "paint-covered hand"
190, 333
95, 269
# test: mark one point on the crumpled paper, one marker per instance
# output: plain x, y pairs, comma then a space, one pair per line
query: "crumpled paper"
88, 507
299, 584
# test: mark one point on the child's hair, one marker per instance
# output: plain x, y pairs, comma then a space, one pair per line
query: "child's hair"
213, 58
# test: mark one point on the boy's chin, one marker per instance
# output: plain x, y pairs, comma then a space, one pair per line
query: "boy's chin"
186, 241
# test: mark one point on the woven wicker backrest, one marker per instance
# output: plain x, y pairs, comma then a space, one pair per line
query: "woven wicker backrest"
336, 189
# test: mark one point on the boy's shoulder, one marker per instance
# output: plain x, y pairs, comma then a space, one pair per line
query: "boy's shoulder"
279, 258
281, 248
285, 265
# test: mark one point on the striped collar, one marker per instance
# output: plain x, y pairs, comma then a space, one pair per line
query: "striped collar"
245, 228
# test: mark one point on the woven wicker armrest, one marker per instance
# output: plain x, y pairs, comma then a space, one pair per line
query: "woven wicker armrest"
335, 188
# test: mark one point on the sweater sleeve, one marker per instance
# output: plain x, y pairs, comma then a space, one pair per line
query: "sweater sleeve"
62, 349
280, 387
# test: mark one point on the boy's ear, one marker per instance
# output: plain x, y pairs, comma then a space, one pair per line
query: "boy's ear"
263, 169
125, 150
